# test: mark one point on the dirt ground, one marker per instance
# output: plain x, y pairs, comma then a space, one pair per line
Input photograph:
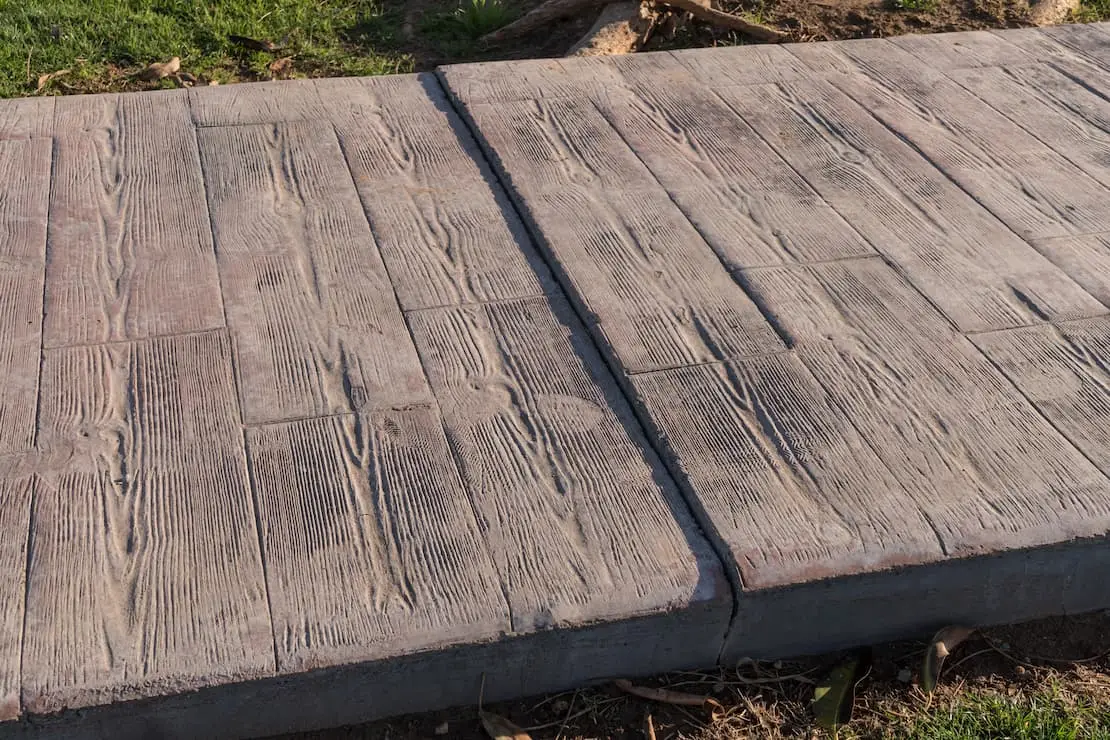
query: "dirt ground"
1066, 659
803, 20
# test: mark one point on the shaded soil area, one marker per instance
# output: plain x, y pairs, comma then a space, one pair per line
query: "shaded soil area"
1045, 679
433, 38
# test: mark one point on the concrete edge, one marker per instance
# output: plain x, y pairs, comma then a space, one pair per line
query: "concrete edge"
872, 608
542, 662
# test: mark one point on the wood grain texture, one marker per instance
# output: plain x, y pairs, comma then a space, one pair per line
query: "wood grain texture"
525, 79
1065, 371
446, 230
27, 118
658, 295
145, 577
551, 144
1027, 185
130, 244
400, 132
24, 197
582, 521
1091, 40
986, 470
371, 545
969, 264
1086, 259
748, 204
15, 514
964, 50
755, 64
256, 102
781, 480
314, 318
1052, 106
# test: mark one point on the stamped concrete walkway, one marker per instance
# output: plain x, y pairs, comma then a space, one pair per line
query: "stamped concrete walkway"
317, 408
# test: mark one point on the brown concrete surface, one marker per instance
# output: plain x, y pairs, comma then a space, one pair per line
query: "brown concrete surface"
789, 348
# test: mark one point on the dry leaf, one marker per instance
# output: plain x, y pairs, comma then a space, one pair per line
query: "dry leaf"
499, 728
667, 696
943, 643
281, 68
159, 70
45, 79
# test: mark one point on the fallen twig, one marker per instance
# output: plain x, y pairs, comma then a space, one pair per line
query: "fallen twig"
727, 20
667, 696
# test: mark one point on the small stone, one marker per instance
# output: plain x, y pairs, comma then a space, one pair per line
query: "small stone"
905, 675
1020, 670
442, 729
560, 706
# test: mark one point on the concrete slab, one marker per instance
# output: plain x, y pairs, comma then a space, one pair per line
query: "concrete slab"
899, 234
319, 407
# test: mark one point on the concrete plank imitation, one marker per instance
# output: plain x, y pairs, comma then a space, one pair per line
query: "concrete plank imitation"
327, 400
895, 235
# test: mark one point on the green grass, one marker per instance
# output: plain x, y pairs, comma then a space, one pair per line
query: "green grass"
1091, 11
479, 17
1043, 715
102, 42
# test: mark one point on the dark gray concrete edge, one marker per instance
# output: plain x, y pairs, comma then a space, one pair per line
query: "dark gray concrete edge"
541, 662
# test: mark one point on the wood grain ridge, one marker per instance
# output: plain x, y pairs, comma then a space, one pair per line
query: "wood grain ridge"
1089, 39
256, 102
372, 549
583, 522
983, 466
309, 302
963, 50
145, 576
15, 514
755, 64
975, 269
747, 203
1051, 105
27, 118
655, 290
24, 198
1064, 370
130, 244
658, 295
1027, 185
446, 230
779, 479
525, 80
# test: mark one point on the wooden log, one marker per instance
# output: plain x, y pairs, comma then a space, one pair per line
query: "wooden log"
619, 29
537, 18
